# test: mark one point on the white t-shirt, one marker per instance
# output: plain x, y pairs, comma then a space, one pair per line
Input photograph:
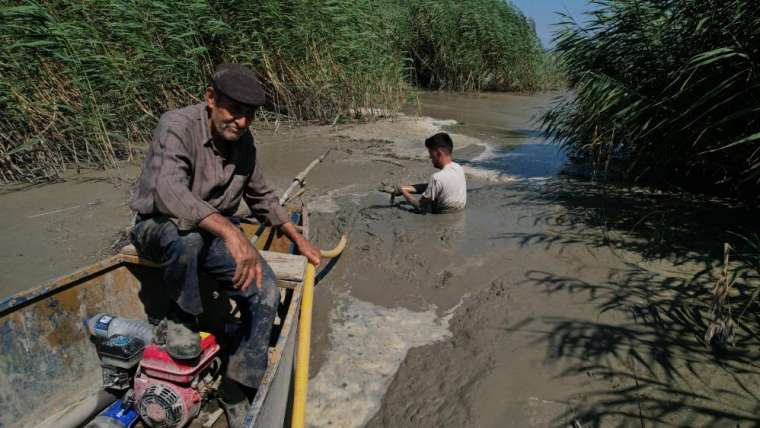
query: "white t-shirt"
447, 189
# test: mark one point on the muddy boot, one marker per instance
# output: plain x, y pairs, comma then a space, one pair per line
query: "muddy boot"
235, 399
179, 335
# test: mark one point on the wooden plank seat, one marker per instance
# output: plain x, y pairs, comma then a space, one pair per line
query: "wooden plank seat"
288, 268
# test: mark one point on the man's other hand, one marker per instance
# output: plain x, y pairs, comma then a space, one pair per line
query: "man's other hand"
246, 256
306, 248
310, 251
247, 262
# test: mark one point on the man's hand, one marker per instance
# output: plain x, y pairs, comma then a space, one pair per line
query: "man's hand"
247, 262
309, 250
421, 204
406, 192
246, 256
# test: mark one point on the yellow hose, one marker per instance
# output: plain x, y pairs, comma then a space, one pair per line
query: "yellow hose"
304, 338
335, 252
302, 353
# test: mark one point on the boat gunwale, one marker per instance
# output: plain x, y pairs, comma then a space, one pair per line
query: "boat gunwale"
61, 283
290, 323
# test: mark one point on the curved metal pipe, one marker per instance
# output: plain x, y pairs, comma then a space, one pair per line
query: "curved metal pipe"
299, 179
335, 252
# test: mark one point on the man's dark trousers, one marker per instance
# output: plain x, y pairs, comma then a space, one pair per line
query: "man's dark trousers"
182, 256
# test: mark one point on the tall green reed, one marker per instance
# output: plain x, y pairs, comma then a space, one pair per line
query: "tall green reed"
667, 89
472, 44
82, 84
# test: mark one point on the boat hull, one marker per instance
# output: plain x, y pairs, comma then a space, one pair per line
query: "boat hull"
49, 366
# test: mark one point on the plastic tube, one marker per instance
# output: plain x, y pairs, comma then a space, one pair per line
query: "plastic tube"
79, 414
105, 326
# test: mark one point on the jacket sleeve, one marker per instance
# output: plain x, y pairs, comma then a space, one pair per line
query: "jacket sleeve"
172, 192
262, 200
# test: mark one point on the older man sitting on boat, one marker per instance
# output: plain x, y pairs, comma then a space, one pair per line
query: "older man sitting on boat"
202, 161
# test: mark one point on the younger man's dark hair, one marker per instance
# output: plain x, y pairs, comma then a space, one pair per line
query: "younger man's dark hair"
441, 141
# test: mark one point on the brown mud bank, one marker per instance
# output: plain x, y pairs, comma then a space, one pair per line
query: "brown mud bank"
550, 301
50, 230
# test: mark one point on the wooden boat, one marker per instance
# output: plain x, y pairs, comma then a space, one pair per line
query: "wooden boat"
49, 370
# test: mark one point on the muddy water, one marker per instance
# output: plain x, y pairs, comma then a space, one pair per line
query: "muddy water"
505, 125
465, 268
556, 302
549, 301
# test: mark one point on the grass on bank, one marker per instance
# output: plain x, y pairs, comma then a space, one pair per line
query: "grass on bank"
82, 84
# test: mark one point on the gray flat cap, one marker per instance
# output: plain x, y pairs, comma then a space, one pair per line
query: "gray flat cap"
238, 83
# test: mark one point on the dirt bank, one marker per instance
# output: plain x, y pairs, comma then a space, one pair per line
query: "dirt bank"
53, 229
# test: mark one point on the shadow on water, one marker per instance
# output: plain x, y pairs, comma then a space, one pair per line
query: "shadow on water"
660, 369
681, 228
648, 340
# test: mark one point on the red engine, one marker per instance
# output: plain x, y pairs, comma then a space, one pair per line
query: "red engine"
169, 393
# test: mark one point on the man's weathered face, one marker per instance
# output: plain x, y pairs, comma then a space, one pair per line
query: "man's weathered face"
229, 119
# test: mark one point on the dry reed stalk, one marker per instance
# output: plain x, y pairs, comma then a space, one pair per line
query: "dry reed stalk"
722, 327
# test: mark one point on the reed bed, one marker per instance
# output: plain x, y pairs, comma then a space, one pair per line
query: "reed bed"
669, 90
82, 84
473, 45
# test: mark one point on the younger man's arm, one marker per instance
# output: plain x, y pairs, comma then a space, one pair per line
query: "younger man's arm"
414, 188
422, 204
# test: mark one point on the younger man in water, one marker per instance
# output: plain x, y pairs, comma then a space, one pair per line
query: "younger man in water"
446, 191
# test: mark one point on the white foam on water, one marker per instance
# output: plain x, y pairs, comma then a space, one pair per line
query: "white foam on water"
491, 154
327, 202
407, 134
493, 175
368, 343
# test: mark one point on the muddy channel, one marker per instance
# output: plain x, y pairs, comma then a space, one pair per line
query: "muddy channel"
550, 301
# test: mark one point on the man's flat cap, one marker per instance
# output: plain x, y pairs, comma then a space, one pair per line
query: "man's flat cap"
238, 83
